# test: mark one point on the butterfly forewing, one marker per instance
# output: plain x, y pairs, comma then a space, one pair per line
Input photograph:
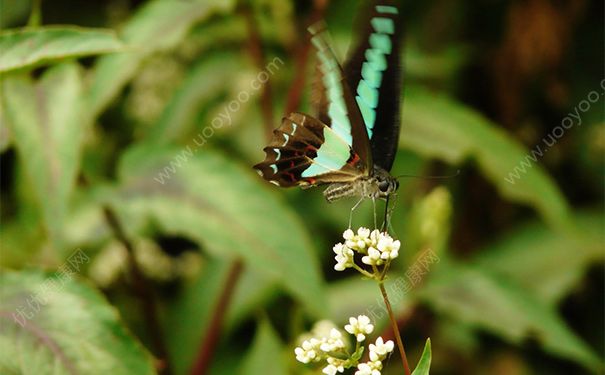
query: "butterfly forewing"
373, 73
339, 109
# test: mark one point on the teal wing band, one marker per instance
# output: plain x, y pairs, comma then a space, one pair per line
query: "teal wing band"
332, 81
374, 65
331, 156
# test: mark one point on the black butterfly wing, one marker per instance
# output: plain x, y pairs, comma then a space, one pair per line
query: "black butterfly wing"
338, 108
374, 75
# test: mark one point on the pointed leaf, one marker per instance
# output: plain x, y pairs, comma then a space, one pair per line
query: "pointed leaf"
226, 208
52, 323
28, 48
424, 365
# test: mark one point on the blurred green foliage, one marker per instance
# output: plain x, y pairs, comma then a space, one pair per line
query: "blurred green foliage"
153, 110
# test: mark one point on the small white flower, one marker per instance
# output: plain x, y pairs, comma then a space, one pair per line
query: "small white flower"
363, 232
359, 327
373, 257
334, 365
368, 368
379, 350
344, 257
375, 236
389, 249
357, 242
333, 342
308, 351
348, 234
330, 370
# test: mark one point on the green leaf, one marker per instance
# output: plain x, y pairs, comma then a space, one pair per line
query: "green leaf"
202, 195
159, 25
439, 127
204, 81
538, 258
30, 47
253, 290
188, 316
52, 322
6, 138
265, 355
424, 365
190, 312
505, 308
46, 124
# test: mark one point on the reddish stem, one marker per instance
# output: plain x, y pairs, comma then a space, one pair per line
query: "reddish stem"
206, 350
404, 358
256, 51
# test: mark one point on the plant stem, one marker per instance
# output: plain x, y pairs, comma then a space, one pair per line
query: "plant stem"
363, 272
404, 358
258, 56
35, 17
209, 343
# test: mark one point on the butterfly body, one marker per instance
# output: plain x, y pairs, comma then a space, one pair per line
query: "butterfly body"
380, 184
350, 146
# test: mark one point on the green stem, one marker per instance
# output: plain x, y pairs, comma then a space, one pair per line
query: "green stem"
363, 272
35, 17
404, 358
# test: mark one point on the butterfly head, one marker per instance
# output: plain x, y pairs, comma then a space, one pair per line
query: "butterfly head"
387, 186
384, 183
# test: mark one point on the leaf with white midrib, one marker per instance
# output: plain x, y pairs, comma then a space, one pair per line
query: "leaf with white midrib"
46, 123
30, 47
227, 209
73, 330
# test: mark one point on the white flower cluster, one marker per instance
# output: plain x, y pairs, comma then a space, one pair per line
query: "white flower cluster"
378, 352
359, 327
315, 348
375, 246
328, 344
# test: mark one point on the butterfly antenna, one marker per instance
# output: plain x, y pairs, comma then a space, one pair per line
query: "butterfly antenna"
430, 177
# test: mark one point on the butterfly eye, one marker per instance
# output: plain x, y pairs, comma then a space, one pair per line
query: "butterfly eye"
383, 186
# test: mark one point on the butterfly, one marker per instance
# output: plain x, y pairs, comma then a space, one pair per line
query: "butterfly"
351, 144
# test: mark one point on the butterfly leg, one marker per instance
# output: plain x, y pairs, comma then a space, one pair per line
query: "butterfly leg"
385, 225
374, 209
353, 209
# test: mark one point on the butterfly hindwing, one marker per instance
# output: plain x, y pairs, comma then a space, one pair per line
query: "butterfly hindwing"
373, 73
304, 151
